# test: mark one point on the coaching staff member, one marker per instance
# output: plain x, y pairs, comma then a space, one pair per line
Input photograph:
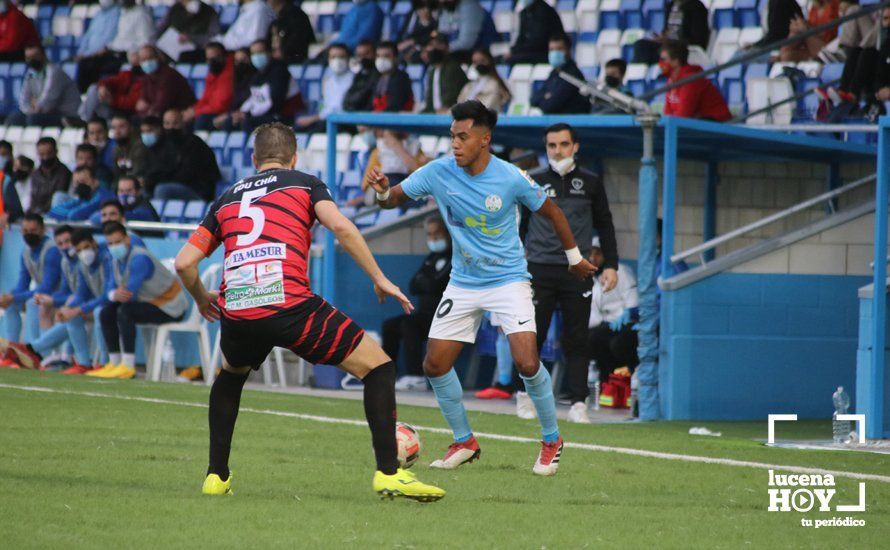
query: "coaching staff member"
580, 194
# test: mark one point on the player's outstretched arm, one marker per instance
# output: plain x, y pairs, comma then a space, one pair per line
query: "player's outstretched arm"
352, 241
580, 267
187, 267
395, 196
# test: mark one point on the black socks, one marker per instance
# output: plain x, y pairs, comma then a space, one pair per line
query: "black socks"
380, 410
225, 398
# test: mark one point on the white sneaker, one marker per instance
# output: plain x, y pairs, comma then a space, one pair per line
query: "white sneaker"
411, 383
525, 408
578, 413
458, 454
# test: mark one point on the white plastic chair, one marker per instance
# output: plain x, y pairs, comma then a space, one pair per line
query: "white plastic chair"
156, 335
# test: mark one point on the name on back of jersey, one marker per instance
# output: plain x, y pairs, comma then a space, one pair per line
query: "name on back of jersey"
245, 185
265, 251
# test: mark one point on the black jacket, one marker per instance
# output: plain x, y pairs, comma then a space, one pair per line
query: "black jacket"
778, 20
393, 93
185, 159
293, 28
430, 281
360, 96
277, 77
557, 96
689, 23
537, 23
581, 196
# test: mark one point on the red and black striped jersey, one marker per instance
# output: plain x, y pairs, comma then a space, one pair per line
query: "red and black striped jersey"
264, 222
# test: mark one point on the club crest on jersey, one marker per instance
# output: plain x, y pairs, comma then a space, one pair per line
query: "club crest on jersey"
493, 203
577, 186
267, 251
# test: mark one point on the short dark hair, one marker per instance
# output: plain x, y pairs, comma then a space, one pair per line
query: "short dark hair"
365, 42
4, 143
152, 121
559, 127
476, 111
676, 49
87, 147
132, 178
618, 63
110, 228
98, 120
82, 235
116, 204
275, 142
341, 46
27, 161
46, 140
262, 41
123, 115
62, 229
87, 169
215, 45
561, 37
32, 217
388, 45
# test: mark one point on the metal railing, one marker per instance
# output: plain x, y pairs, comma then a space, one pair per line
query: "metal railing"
763, 222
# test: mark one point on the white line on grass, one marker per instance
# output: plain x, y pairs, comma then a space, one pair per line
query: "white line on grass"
480, 435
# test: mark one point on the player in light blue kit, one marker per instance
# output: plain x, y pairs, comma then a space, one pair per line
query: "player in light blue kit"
479, 196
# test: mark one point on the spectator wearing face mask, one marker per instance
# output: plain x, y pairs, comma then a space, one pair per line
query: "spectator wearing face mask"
557, 96
218, 89
88, 196
117, 93
96, 134
444, 77
363, 21
48, 94
242, 75
409, 332
291, 32
162, 87
538, 21
86, 155
614, 75
252, 24
485, 84
197, 163
50, 177
135, 28
268, 90
698, 99
360, 96
186, 29
135, 206
336, 83
418, 29
90, 57
129, 151
393, 91
17, 32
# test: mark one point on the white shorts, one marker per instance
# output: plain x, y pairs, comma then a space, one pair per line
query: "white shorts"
460, 311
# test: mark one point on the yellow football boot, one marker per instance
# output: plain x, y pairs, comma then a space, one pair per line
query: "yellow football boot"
104, 372
405, 484
122, 372
214, 486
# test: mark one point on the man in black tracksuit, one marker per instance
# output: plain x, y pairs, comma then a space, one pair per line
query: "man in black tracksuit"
580, 194
428, 284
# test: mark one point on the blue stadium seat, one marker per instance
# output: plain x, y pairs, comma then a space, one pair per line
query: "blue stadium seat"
197, 78
234, 149
172, 211
6, 100
653, 15
723, 18
747, 13
194, 211
632, 14
158, 205
311, 83
296, 72
44, 22
228, 15
590, 73
399, 15
756, 70
159, 12
217, 142
832, 71
732, 84
16, 76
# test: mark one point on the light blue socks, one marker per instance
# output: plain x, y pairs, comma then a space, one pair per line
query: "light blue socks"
505, 360
449, 394
540, 390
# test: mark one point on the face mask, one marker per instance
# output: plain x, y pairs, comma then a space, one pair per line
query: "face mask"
383, 64
483, 69
216, 65
370, 139
86, 256
149, 139
48, 164
35, 65
437, 245
435, 56
173, 133
192, 6
562, 167
70, 252
665, 67
259, 60
83, 191
118, 251
338, 64
100, 144
556, 58
33, 240
149, 66
105, 4
613, 81
126, 200
20, 175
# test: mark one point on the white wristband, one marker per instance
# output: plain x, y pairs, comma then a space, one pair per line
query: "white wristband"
382, 196
574, 256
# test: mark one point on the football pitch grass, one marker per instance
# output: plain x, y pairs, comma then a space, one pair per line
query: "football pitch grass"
115, 464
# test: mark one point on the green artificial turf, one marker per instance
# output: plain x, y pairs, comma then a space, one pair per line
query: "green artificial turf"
88, 471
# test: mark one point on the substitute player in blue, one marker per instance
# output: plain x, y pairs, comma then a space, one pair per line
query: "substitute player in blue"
479, 196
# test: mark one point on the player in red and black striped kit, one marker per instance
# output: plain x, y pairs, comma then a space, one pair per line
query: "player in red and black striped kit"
264, 223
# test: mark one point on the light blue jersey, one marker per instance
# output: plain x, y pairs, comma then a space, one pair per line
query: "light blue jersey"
482, 214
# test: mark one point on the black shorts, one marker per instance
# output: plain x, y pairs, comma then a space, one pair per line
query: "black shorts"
315, 330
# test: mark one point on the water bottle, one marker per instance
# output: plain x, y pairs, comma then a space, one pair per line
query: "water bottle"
168, 359
593, 383
634, 393
840, 428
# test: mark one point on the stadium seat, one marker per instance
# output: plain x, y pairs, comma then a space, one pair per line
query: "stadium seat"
227, 15
28, 144
653, 15
750, 36
158, 205
748, 13
588, 14
310, 84
722, 14
194, 211
635, 78
217, 142
520, 86
566, 11
16, 76
540, 72
628, 39
608, 45
725, 44
610, 15
197, 78
632, 14
234, 149
173, 210
831, 72
327, 23
732, 84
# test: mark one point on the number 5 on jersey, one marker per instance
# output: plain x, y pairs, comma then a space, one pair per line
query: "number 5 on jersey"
256, 215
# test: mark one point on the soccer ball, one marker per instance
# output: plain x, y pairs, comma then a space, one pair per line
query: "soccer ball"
409, 444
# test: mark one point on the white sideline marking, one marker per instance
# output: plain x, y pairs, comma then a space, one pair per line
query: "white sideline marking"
480, 435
